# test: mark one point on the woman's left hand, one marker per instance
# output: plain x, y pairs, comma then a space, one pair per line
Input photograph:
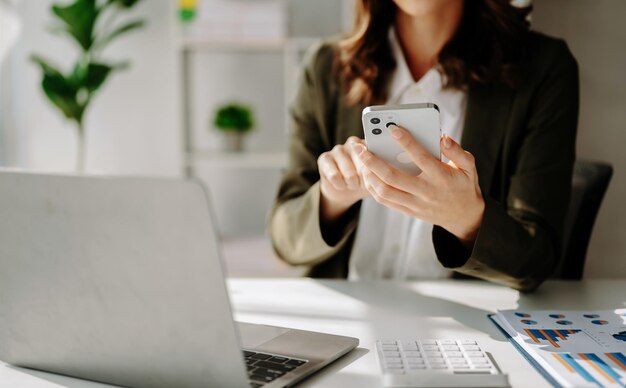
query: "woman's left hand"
447, 195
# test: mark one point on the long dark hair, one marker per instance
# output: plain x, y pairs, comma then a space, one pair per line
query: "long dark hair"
488, 47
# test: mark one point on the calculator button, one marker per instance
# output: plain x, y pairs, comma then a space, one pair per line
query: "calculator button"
455, 363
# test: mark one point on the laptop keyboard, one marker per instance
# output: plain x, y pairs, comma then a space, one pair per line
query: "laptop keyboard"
264, 368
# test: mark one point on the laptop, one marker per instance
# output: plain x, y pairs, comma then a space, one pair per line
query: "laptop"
119, 280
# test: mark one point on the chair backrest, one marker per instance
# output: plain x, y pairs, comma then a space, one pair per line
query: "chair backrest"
589, 184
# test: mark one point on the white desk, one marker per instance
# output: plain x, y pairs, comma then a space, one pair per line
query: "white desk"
370, 310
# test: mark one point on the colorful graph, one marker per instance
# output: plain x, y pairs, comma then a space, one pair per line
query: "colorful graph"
600, 322
574, 367
552, 336
581, 361
618, 358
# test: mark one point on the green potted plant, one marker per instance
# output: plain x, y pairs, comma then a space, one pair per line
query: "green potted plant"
234, 121
93, 25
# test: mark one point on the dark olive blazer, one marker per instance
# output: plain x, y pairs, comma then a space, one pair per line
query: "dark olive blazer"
523, 140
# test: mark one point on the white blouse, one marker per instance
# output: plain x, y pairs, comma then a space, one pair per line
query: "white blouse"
389, 244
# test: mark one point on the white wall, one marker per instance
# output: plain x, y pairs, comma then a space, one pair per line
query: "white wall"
596, 33
132, 125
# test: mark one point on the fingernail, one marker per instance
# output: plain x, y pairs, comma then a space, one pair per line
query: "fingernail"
395, 132
446, 141
358, 148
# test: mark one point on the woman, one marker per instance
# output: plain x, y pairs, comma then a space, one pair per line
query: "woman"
509, 106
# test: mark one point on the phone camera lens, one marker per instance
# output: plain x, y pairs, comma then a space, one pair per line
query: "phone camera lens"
377, 131
391, 123
375, 120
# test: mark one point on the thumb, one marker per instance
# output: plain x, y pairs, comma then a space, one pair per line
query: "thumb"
453, 151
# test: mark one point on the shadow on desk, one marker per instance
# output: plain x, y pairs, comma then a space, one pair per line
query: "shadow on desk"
338, 365
388, 299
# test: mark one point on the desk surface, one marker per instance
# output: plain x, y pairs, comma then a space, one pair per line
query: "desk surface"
371, 310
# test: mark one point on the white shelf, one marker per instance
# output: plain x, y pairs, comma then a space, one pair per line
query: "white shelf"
252, 160
201, 44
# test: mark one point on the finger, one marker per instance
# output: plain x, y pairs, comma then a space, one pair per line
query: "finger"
353, 146
388, 196
329, 171
384, 191
457, 155
418, 153
387, 173
354, 140
347, 169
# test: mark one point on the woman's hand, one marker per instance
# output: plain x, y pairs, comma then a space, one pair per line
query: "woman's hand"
341, 184
447, 195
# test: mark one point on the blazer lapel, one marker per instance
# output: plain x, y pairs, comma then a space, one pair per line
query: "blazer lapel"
486, 120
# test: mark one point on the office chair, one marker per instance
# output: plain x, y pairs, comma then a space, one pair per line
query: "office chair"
589, 184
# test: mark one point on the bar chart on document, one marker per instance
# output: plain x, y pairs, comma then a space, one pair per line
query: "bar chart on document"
576, 348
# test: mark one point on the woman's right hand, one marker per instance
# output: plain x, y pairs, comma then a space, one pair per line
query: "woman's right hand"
341, 182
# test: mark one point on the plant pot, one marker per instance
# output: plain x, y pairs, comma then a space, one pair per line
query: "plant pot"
233, 141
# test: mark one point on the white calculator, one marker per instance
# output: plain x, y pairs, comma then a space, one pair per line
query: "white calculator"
437, 363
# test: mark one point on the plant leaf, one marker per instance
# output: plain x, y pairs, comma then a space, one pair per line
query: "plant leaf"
60, 91
80, 19
125, 3
234, 117
120, 31
90, 76
97, 73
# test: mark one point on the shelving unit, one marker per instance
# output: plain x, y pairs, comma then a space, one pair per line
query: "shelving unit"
243, 184
291, 49
252, 160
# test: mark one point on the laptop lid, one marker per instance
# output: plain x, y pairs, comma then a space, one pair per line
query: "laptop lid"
87, 263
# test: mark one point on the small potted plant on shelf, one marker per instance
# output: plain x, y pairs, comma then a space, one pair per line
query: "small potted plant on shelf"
234, 120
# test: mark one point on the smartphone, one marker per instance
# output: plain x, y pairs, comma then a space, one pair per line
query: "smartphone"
421, 120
